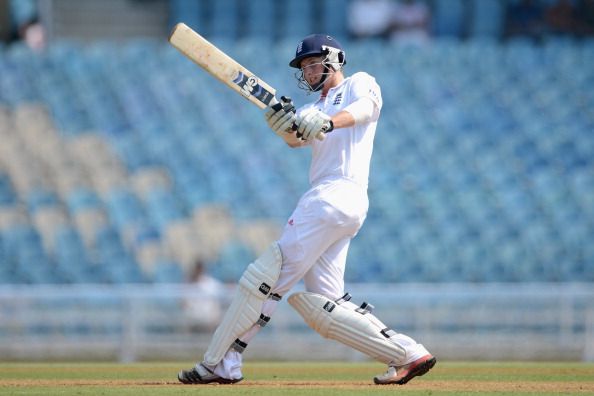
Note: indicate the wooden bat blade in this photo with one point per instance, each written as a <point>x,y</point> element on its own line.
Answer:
<point>222,66</point>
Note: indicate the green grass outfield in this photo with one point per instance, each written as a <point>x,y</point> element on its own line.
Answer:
<point>289,379</point>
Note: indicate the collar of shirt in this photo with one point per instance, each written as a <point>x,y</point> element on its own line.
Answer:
<point>323,97</point>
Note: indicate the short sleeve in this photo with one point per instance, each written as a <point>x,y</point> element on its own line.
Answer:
<point>364,85</point>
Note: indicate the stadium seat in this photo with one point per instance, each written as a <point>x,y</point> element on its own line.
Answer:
<point>7,195</point>
<point>40,198</point>
<point>448,18</point>
<point>168,273</point>
<point>298,21</point>
<point>260,14</point>
<point>72,257</point>
<point>163,207</point>
<point>187,11</point>
<point>232,261</point>
<point>124,207</point>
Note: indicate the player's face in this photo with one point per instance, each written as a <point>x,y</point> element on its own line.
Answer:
<point>312,69</point>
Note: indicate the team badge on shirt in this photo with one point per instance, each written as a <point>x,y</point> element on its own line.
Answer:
<point>337,99</point>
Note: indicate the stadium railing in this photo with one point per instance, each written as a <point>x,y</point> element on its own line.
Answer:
<point>147,322</point>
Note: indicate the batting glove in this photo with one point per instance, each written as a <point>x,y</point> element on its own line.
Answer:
<point>281,117</point>
<point>313,123</point>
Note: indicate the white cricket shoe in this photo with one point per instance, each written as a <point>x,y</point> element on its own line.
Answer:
<point>402,374</point>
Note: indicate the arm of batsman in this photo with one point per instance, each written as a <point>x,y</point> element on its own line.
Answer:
<point>313,123</point>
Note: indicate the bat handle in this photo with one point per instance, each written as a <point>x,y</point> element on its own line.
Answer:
<point>285,103</point>
<point>278,106</point>
<point>320,136</point>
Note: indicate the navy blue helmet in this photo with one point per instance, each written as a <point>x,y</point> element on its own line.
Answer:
<point>320,45</point>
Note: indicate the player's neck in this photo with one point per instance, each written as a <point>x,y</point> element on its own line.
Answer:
<point>335,79</point>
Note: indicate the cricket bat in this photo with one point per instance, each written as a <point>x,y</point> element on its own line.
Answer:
<point>224,68</point>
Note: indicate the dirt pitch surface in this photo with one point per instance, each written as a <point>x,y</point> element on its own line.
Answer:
<point>328,379</point>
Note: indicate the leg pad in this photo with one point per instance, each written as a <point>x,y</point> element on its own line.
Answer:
<point>254,288</point>
<point>344,322</point>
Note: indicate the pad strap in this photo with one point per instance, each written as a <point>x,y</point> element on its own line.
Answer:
<point>365,308</point>
<point>239,345</point>
<point>263,321</point>
<point>345,298</point>
<point>275,297</point>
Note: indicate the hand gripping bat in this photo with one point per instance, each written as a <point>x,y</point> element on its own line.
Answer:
<point>226,69</point>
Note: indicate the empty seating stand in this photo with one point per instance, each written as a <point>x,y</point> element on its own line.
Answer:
<point>114,155</point>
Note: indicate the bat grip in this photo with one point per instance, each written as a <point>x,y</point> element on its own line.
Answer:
<point>320,136</point>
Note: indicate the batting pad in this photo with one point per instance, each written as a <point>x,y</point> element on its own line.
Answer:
<point>253,289</point>
<point>341,322</point>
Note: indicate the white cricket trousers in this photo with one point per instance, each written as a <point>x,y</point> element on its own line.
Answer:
<point>316,238</point>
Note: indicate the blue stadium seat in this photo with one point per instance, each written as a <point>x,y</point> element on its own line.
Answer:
<point>133,151</point>
<point>27,257</point>
<point>224,20</point>
<point>168,273</point>
<point>7,277</point>
<point>259,17</point>
<point>123,270</point>
<point>187,11</point>
<point>7,195</point>
<point>448,18</point>
<point>39,198</point>
<point>334,17</point>
<point>488,19</point>
<point>163,207</point>
<point>15,81</point>
<point>124,207</point>
<point>232,261</point>
<point>81,199</point>
<point>72,258</point>
<point>298,22</point>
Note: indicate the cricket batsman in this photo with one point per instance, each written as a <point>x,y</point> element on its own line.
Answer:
<point>339,129</point>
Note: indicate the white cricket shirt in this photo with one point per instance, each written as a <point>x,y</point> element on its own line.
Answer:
<point>346,152</point>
